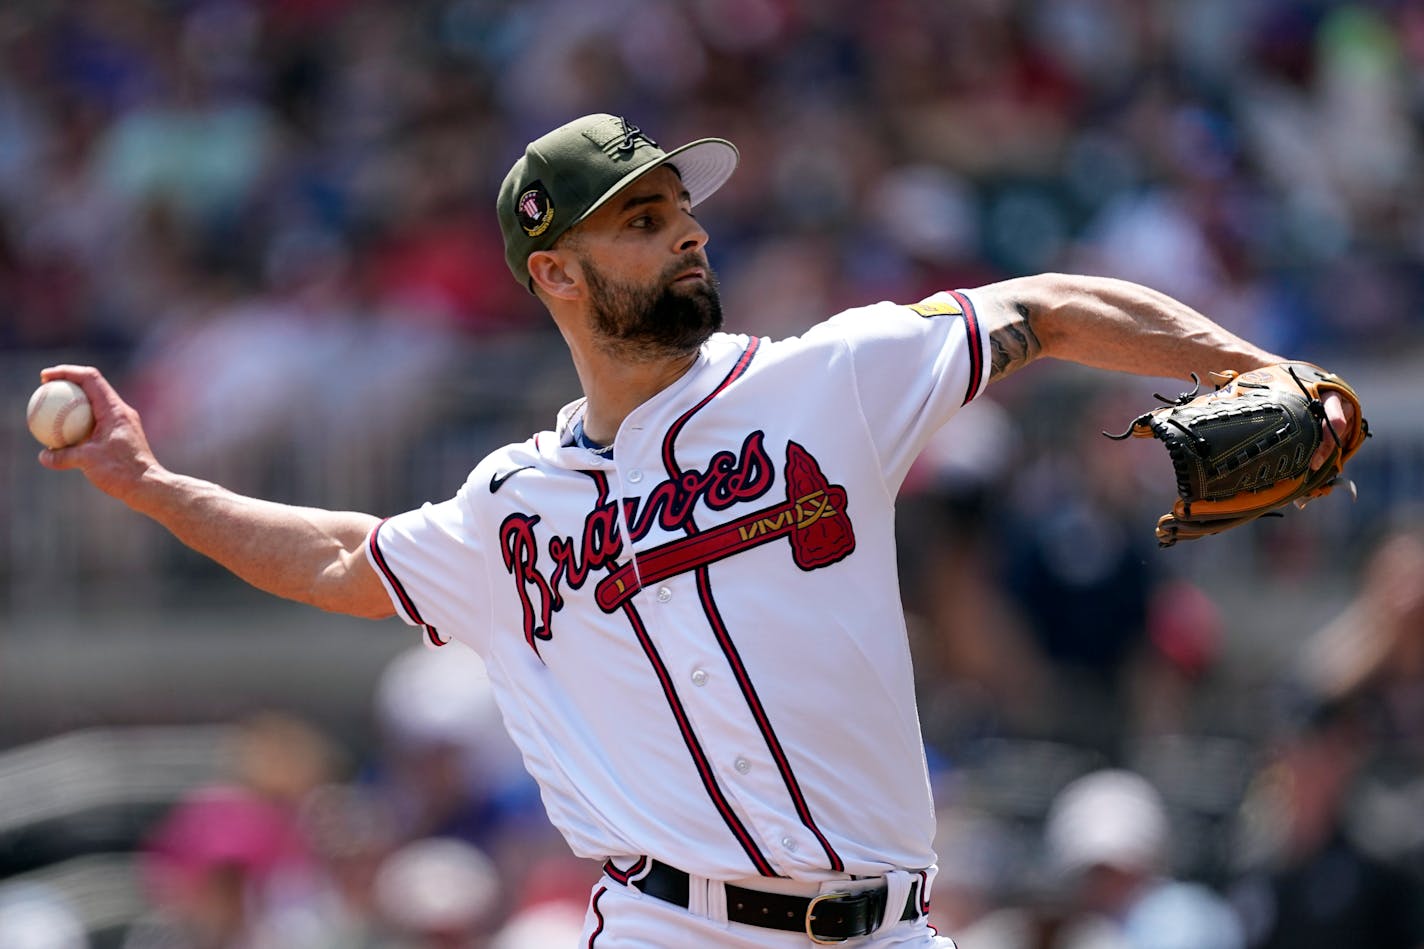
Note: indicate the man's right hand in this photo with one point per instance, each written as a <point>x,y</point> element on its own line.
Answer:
<point>116,455</point>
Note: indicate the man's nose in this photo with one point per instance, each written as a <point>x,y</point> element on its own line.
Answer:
<point>694,236</point>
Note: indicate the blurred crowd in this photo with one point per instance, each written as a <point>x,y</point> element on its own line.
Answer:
<point>217,195</point>
<point>431,838</point>
<point>278,214</point>
<point>1154,823</point>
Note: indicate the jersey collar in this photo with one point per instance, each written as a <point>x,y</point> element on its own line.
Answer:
<point>561,449</point>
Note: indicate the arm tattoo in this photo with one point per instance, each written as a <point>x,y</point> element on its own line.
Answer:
<point>1013,343</point>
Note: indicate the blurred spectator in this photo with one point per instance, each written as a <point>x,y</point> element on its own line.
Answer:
<point>33,916</point>
<point>1108,834</point>
<point>1330,850</point>
<point>977,869</point>
<point>447,768</point>
<point>225,863</point>
<point>1373,652</point>
<point>550,907</point>
<point>196,154</point>
<point>213,860</point>
<point>1306,882</point>
<point>1184,640</point>
<point>1107,886</point>
<point>449,762</point>
<point>979,670</point>
<point>351,834</point>
<point>437,893</point>
<point>307,366</point>
<point>543,926</point>
<point>1077,562</point>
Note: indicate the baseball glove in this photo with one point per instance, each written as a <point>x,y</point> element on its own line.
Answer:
<point>1244,450</point>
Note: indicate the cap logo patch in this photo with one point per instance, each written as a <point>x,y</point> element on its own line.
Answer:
<point>534,210</point>
<point>625,140</point>
<point>631,134</point>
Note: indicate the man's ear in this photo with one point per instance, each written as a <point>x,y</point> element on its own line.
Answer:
<point>555,273</point>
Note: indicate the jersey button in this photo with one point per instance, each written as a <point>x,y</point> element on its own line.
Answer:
<point>699,677</point>
<point>788,844</point>
<point>635,475</point>
<point>664,594</point>
<point>742,765</point>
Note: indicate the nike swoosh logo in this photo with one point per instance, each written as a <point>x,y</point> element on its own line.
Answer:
<point>498,479</point>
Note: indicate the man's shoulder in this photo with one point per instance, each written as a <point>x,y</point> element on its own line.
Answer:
<point>868,317</point>
<point>496,468</point>
<point>834,329</point>
<point>938,304</point>
<point>724,345</point>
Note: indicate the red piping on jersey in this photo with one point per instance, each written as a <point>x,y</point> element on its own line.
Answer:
<point>623,876</point>
<point>597,915</point>
<point>724,638</point>
<point>406,602</point>
<point>976,353</point>
<point>773,744</point>
<point>689,738</point>
<point>699,757</point>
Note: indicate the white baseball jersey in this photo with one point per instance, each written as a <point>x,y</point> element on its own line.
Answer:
<point>698,644</point>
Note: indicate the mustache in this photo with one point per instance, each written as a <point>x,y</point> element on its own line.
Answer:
<point>693,258</point>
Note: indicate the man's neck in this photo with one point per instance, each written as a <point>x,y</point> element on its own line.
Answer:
<point>614,388</point>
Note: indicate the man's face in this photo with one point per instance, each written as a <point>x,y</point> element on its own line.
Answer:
<point>651,293</point>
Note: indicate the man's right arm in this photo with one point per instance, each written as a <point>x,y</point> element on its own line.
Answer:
<point>305,554</point>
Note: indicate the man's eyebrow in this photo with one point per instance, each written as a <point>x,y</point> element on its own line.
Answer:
<point>637,201</point>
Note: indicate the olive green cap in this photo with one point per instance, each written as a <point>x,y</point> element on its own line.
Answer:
<point>567,174</point>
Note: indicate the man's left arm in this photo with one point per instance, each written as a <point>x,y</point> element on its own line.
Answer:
<point>1107,324</point>
<point>1115,324</point>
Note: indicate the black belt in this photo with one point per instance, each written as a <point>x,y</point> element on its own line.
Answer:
<point>826,919</point>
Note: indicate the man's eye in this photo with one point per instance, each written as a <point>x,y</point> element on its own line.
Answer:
<point>642,220</point>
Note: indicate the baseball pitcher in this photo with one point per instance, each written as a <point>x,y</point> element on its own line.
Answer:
<point>685,590</point>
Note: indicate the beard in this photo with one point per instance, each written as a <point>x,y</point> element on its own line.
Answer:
<point>657,321</point>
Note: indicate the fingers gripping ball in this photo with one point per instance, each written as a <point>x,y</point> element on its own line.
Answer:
<point>59,415</point>
<point>1244,450</point>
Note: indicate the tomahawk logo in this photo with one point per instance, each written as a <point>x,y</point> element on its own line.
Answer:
<point>813,518</point>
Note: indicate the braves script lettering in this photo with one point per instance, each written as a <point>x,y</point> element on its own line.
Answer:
<point>728,479</point>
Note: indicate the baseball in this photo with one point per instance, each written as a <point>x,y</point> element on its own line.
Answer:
<point>59,415</point>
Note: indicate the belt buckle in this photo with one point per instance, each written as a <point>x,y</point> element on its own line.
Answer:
<point>811,916</point>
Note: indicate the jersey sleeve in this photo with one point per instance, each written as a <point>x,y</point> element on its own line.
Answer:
<point>914,366</point>
<point>430,560</point>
